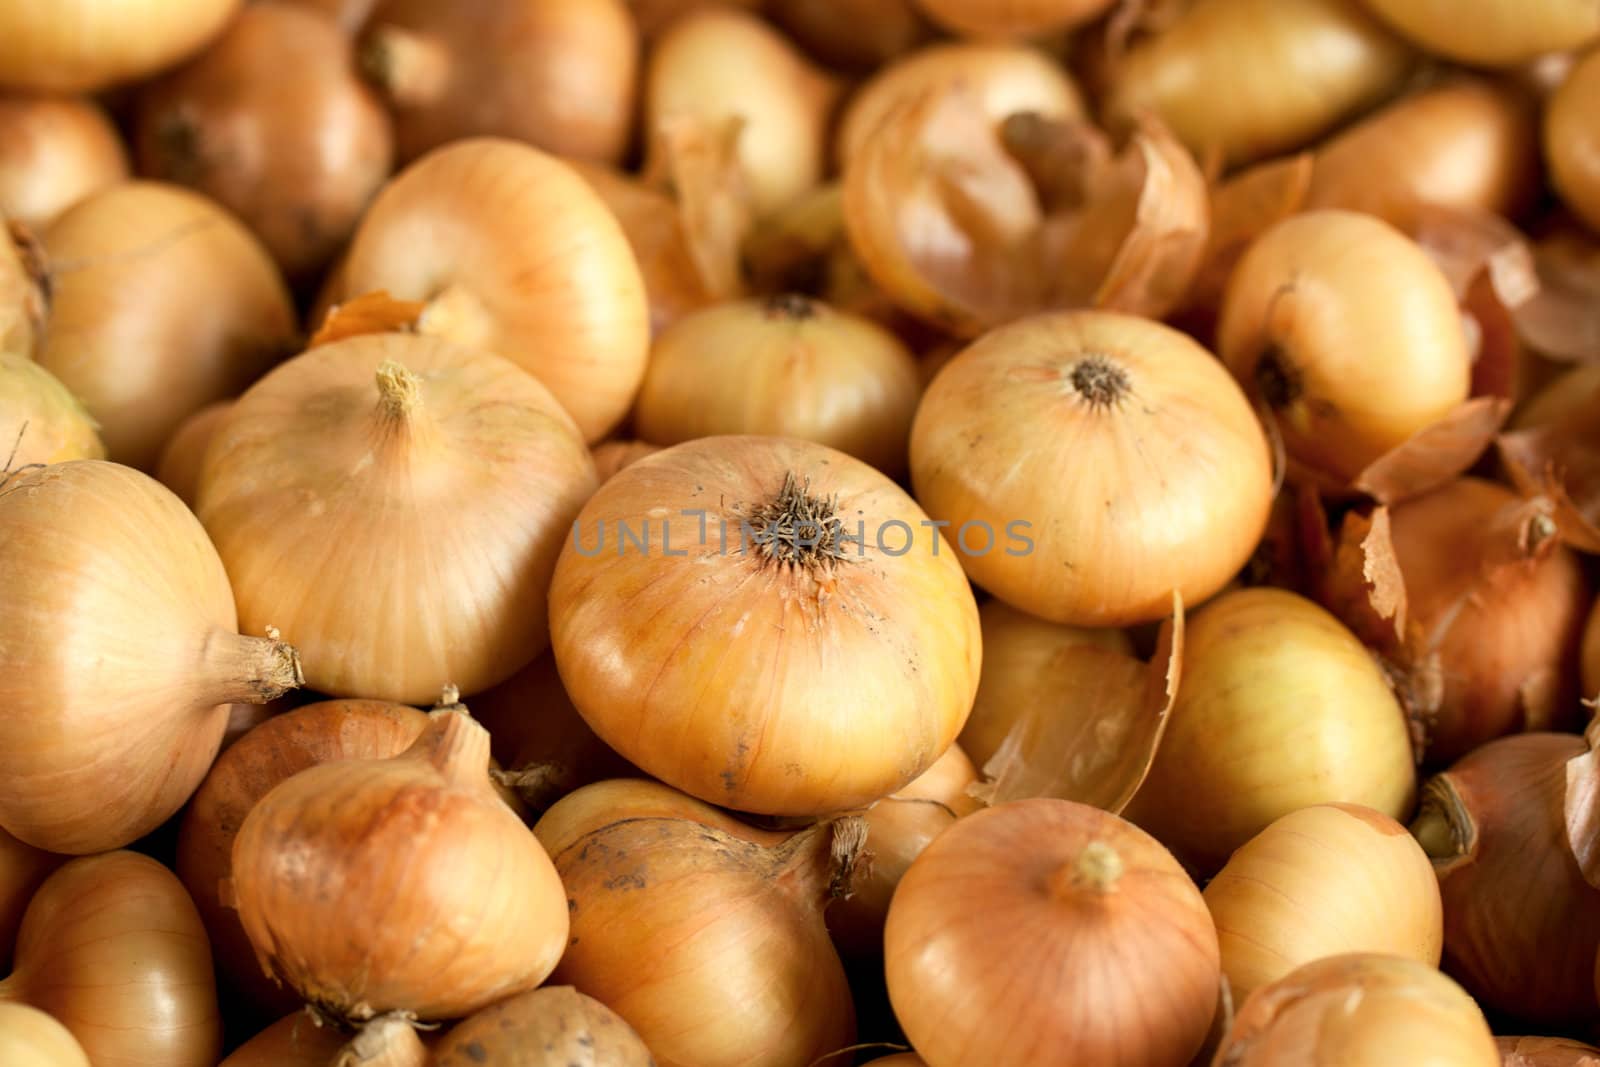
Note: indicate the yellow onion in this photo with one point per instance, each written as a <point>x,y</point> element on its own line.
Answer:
<point>1546,1052</point>
<point>611,456</point>
<point>22,869</point>
<point>1048,929</point>
<point>1491,33</point>
<point>31,1038</point>
<point>1360,1010</point>
<point>119,656</point>
<point>1249,78</point>
<point>24,298</point>
<point>784,366</point>
<point>653,16</point>
<point>184,454</point>
<point>1572,137</point>
<point>512,251</point>
<point>558,74</point>
<point>1004,79</point>
<point>721,63</point>
<point>766,624</point>
<point>1349,333</point>
<point>1280,707</point>
<point>1521,923</point>
<point>424,524</point>
<point>852,34</point>
<point>1325,880</point>
<point>86,45</point>
<point>899,827</point>
<point>54,151</point>
<point>1012,18</point>
<point>551,1027</point>
<point>266,756</point>
<point>468,908</point>
<point>1104,462</point>
<point>160,304</point>
<point>295,159</point>
<point>40,421</point>
<point>112,948</point>
<point>676,905</point>
<point>301,1040</point>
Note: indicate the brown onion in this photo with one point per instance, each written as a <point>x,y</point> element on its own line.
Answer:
<point>558,74</point>
<point>22,869</point>
<point>295,159</point>
<point>111,946</point>
<point>1491,33</point>
<point>303,1040</point>
<point>160,304</point>
<point>86,45</point>
<point>676,906</point>
<point>184,454</point>
<point>40,421</point>
<point>1546,1052</point>
<point>54,152</point>
<point>1572,138</point>
<point>556,1026</point>
<point>852,34</point>
<point>1047,929</point>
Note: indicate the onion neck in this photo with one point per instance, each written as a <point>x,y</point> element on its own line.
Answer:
<point>457,314</point>
<point>1097,870</point>
<point>790,307</point>
<point>794,528</point>
<point>825,862</point>
<point>412,69</point>
<point>249,670</point>
<point>1441,825</point>
<point>537,785</point>
<point>399,393</point>
<point>456,746</point>
<point>1277,381</point>
<point>387,1041</point>
<point>1099,381</point>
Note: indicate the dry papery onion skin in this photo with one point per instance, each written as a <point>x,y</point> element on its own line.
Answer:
<point>88,45</point>
<point>767,670</point>
<point>54,151</point>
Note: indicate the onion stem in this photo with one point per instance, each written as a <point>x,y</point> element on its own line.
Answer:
<point>411,68</point>
<point>1435,833</point>
<point>399,391</point>
<point>1097,868</point>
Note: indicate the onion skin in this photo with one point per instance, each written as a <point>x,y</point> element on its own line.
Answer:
<point>1522,926</point>
<point>1012,18</point>
<point>786,366</point>
<point>268,755</point>
<point>183,456</point>
<point>1546,1052</point>
<point>1572,139</point>
<point>293,1041</point>
<point>24,299</point>
<point>161,303</point>
<point>372,437</point>
<point>558,74</point>
<point>515,254</point>
<point>733,670</point>
<point>611,456</point>
<point>1491,33</point>
<point>85,45</point>
<point>54,152</point>
<point>852,34</point>
<point>1323,881</point>
<point>22,869</point>
<point>113,949</point>
<point>676,904</point>
<point>1360,1010</point>
<point>1252,78</point>
<point>31,1038</point>
<point>296,159</point>
<point>488,920</point>
<point>125,660</point>
<point>1349,332</point>
<point>1143,439</point>
<point>551,1027</point>
<point>1130,951</point>
<point>1280,707</point>
<point>40,420</point>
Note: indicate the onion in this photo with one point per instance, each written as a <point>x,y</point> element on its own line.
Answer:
<point>24,292</point>
<point>349,14</point>
<point>118,656</point>
<point>22,869</point>
<point>1322,881</point>
<point>551,1027</point>
<point>676,906</point>
<point>808,646</point>
<point>30,1038</point>
<point>1491,33</point>
<point>86,45</point>
<point>40,421</point>
<point>296,163</point>
<point>112,948</point>
<point>558,74</point>
<point>1572,137</point>
<point>425,557</point>
<point>1159,476</point>
<point>1249,78</point>
<point>654,16</point>
<point>1521,923</point>
<point>491,924</point>
<point>54,152</point>
<point>1280,708</point>
<point>1349,333</point>
<point>1546,1052</point>
<point>715,64</point>
<point>899,827</point>
<point>1045,928</point>
<point>1012,18</point>
<point>611,456</point>
<point>184,454</point>
<point>852,34</point>
<point>1005,79</point>
<point>161,303</point>
<point>1475,605</point>
<point>268,755</point>
<point>786,366</point>
<point>299,1040</point>
<point>1360,1010</point>
<point>513,252</point>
